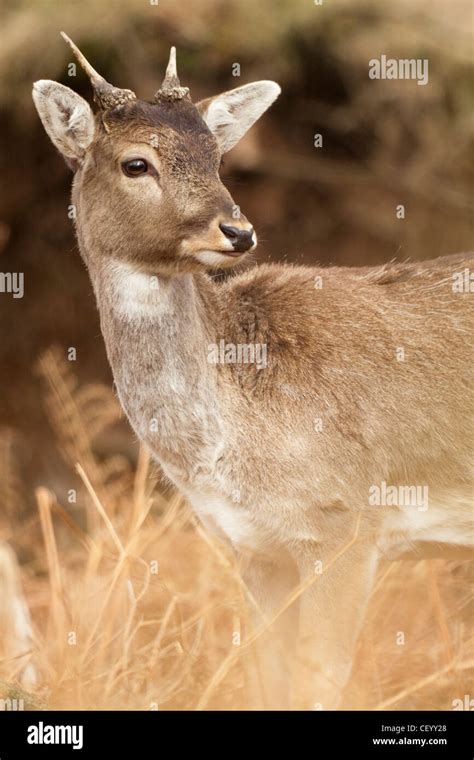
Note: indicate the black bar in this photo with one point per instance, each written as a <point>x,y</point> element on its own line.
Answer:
<point>317,734</point>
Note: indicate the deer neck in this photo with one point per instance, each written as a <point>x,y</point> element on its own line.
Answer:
<point>157,331</point>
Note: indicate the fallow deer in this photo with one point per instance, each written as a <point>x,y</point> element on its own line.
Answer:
<point>349,441</point>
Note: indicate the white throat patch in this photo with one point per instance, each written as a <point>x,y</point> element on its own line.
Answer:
<point>137,295</point>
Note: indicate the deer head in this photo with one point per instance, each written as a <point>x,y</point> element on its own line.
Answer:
<point>146,183</point>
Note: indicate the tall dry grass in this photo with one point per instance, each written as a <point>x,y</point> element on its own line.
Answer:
<point>122,601</point>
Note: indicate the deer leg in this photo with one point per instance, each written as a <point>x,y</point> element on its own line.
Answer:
<point>337,585</point>
<point>270,581</point>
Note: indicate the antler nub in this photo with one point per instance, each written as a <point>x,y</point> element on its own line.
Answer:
<point>106,95</point>
<point>171,88</point>
<point>171,71</point>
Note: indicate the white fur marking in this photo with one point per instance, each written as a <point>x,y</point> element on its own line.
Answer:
<point>212,258</point>
<point>137,294</point>
<point>228,518</point>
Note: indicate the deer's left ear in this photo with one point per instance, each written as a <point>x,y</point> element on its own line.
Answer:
<point>66,117</point>
<point>232,113</point>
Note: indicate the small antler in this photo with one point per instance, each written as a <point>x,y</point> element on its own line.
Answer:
<point>105,94</point>
<point>171,88</point>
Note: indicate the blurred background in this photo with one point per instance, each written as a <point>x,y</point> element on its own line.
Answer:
<point>384,143</point>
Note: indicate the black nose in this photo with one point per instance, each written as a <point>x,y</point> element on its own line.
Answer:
<point>241,240</point>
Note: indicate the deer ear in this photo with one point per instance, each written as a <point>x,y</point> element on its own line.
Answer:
<point>66,117</point>
<point>232,113</point>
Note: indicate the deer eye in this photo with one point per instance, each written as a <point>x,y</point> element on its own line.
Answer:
<point>135,167</point>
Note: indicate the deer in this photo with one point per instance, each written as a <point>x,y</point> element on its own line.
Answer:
<point>350,440</point>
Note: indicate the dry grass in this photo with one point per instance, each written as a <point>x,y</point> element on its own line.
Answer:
<point>123,602</point>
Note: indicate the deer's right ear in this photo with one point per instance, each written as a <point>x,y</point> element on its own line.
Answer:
<point>66,117</point>
<point>230,114</point>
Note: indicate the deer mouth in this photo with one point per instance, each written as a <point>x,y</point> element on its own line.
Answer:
<point>219,250</point>
<point>232,254</point>
<point>215,257</point>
